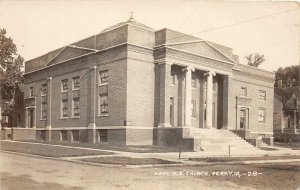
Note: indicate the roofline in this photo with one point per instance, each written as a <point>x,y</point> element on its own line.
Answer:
<point>48,66</point>
<point>45,54</point>
<point>98,51</point>
<point>186,42</point>
<point>79,47</point>
<point>161,46</point>
<point>255,68</point>
<point>125,23</point>
<point>211,45</point>
<point>57,54</point>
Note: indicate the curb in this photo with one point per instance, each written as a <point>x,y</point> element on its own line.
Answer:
<point>181,164</point>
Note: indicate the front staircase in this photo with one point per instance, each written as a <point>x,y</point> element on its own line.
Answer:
<point>218,141</point>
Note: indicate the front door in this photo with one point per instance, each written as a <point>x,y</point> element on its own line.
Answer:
<point>243,119</point>
<point>172,111</point>
<point>30,118</point>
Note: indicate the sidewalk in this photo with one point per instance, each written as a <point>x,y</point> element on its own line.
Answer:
<point>83,155</point>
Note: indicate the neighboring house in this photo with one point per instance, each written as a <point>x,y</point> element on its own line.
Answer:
<point>18,108</point>
<point>14,110</point>
<point>132,85</point>
<point>287,112</point>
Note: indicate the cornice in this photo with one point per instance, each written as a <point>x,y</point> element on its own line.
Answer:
<point>193,54</point>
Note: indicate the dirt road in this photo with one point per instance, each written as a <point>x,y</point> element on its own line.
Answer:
<point>23,172</point>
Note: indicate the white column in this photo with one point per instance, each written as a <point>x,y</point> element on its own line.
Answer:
<point>93,96</point>
<point>49,102</point>
<point>188,95</point>
<point>49,105</point>
<point>93,105</point>
<point>164,94</point>
<point>209,99</point>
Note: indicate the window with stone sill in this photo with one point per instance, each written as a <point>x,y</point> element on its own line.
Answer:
<point>103,77</point>
<point>76,82</point>
<point>44,109</point>
<point>64,109</point>
<point>103,104</point>
<point>243,91</point>
<point>76,108</point>
<point>31,92</point>
<point>262,95</point>
<point>44,99</point>
<point>76,94</point>
<point>64,85</point>
<point>44,90</point>
<point>262,115</point>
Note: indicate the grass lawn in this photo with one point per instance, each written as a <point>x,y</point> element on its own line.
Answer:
<point>105,146</point>
<point>49,151</point>
<point>227,159</point>
<point>120,160</point>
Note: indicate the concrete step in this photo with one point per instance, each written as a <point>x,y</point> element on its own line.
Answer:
<point>214,140</point>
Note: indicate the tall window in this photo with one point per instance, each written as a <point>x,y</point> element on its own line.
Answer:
<point>103,77</point>
<point>76,96</point>
<point>243,91</point>
<point>64,98</point>
<point>44,105</point>
<point>44,92</point>
<point>76,108</point>
<point>64,108</point>
<point>64,85</point>
<point>262,115</point>
<point>262,95</point>
<point>44,109</point>
<point>31,92</point>
<point>76,82</point>
<point>103,104</point>
<point>193,108</point>
<point>44,89</point>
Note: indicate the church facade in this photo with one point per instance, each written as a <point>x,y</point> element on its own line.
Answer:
<point>132,85</point>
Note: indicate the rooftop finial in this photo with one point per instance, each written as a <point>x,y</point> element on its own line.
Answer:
<point>131,17</point>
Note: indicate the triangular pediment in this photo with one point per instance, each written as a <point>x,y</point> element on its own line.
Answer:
<point>68,53</point>
<point>202,48</point>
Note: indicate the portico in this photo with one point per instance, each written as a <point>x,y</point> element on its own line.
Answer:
<point>192,93</point>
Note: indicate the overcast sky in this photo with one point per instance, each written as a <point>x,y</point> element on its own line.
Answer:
<point>38,27</point>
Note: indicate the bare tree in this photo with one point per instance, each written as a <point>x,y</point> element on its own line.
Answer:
<point>255,59</point>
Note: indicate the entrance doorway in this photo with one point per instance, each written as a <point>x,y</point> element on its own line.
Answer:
<point>30,118</point>
<point>172,111</point>
<point>243,119</point>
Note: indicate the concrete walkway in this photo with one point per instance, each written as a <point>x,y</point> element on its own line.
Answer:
<point>174,157</point>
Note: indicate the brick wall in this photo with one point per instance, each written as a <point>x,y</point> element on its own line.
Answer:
<point>140,90</point>
<point>253,86</point>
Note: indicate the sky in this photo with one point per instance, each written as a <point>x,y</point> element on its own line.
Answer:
<point>270,28</point>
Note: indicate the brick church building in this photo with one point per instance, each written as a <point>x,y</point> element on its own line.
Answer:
<point>132,85</point>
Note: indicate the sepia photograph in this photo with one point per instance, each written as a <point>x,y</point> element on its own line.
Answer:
<point>143,95</point>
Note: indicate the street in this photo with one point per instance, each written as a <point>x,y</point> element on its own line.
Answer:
<point>24,172</point>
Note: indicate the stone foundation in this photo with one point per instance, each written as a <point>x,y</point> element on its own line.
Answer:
<point>176,137</point>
